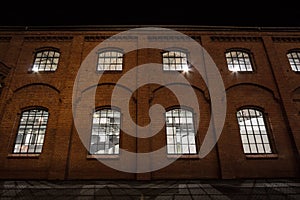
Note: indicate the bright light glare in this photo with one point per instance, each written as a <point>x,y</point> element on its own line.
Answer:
<point>35,69</point>
<point>235,69</point>
<point>185,68</point>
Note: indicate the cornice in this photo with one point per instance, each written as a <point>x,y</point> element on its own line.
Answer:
<point>127,27</point>
<point>235,39</point>
<point>48,38</point>
<point>286,39</point>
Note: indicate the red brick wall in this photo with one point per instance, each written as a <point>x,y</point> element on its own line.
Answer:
<point>272,86</point>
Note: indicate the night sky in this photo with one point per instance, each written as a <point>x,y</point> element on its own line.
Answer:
<point>211,13</point>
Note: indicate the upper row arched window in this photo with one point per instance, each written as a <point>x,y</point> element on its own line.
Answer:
<point>110,60</point>
<point>238,60</point>
<point>175,60</point>
<point>294,60</point>
<point>241,61</point>
<point>46,59</point>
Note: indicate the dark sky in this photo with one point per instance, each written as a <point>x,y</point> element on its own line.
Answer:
<point>180,12</point>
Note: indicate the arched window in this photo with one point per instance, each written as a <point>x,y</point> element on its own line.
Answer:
<point>253,131</point>
<point>175,60</point>
<point>46,59</point>
<point>105,132</point>
<point>31,131</point>
<point>294,60</point>
<point>110,60</point>
<point>180,132</point>
<point>238,61</point>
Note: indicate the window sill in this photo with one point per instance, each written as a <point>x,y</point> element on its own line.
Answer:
<point>20,155</point>
<point>262,156</point>
<point>40,72</point>
<point>109,71</point>
<point>193,156</point>
<point>102,156</point>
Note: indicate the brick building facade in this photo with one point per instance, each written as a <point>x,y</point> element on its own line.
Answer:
<point>260,71</point>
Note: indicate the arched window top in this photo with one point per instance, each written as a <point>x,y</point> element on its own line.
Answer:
<point>252,107</point>
<point>46,48</point>
<point>110,59</point>
<point>175,60</point>
<point>253,131</point>
<point>35,108</point>
<point>175,49</point>
<point>179,111</point>
<point>245,50</point>
<point>46,59</point>
<point>109,111</point>
<point>110,49</point>
<point>239,60</point>
<point>294,59</point>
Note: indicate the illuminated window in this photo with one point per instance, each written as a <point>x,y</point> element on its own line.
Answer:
<point>31,132</point>
<point>105,132</point>
<point>253,131</point>
<point>238,61</point>
<point>180,132</point>
<point>175,61</point>
<point>110,61</point>
<point>294,59</point>
<point>46,60</point>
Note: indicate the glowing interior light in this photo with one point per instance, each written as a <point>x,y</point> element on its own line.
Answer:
<point>235,69</point>
<point>35,69</point>
<point>185,68</point>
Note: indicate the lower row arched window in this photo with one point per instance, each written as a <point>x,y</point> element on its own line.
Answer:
<point>31,131</point>
<point>254,131</point>
<point>180,131</point>
<point>105,136</point>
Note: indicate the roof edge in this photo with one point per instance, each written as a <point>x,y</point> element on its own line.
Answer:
<point>126,27</point>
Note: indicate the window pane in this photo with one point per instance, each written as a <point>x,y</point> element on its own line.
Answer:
<point>246,148</point>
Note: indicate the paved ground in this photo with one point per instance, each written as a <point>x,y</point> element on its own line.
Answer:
<point>277,189</point>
